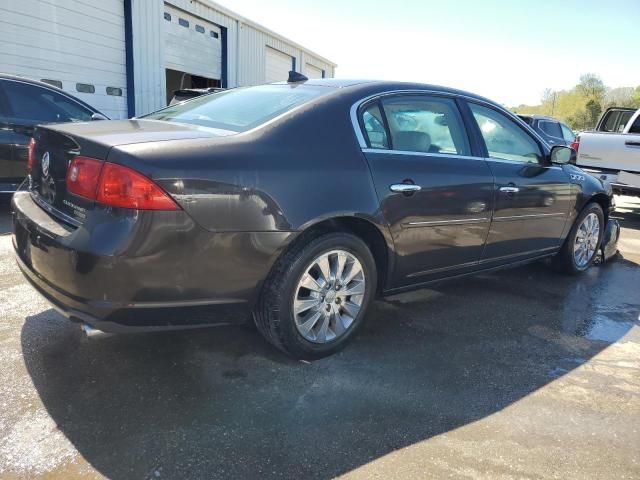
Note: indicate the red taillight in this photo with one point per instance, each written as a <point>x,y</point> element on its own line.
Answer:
<point>116,186</point>
<point>83,176</point>
<point>125,188</point>
<point>32,152</point>
<point>576,143</point>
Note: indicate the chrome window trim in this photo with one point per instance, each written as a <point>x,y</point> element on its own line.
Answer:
<point>518,162</point>
<point>363,143</point>
<point>454,156</point>
<point>419,154</point>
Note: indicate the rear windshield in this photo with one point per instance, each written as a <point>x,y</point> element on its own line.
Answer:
<point>240,109</point>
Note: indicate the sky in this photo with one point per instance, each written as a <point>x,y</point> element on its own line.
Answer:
<point>507,50</point>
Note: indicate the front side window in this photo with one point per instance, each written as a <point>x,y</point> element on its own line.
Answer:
<point>239,109</point>
<point>550,128</point>
<point>567,133</point>
<point>635,127</point>
<point>504,139</point>
<point>374,127</point>
<point>40,105</point>
<point>424,124</point>
<point>610,121</point>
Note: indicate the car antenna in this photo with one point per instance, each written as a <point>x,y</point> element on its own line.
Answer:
<point>296,77</point>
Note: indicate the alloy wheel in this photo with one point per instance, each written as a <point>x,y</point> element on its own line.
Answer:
<point>329,296</point>
<point>586,240</point>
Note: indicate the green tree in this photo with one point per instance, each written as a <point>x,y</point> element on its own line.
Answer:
<point>592,87</point>
<point>620,97</point>
<point>593,109</point>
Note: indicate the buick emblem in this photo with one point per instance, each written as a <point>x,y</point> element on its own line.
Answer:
<point>45,164</point>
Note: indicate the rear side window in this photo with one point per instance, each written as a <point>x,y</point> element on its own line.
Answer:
<point>424,124</point>
<point>610,121</point>
<point>567,133</point>
<point>374,127</point>
<point>33,105</point>
<point>550,128</point>
<point>239,109</point>
<point>623,120</point>
<point>503,137</point>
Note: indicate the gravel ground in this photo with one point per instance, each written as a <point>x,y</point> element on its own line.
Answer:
<point>518,374</point>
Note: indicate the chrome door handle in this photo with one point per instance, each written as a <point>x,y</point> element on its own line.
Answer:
<point>509,189</point>
<point>404,188</point>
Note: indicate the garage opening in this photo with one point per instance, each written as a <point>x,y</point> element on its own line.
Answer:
<point>192,53</point>
<point>277,65</point>
<point>177,80</point>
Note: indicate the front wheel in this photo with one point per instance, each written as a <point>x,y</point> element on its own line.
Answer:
<point>317,295</point>
<point>583,242</point>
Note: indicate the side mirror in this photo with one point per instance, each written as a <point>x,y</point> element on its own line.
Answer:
<point>98,116</point>
<point>562,155</point>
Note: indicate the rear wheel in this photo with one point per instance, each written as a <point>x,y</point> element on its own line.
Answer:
<point>583,242</point>
<point>317,295</point>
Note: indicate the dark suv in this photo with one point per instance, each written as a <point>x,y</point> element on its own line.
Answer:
<point>24,104</point>
<point>551,130</point>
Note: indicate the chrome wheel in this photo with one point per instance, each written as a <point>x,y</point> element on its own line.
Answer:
<point>329,296</point>
<point>586,240</point>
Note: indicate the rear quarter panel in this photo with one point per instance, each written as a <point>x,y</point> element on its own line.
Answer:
<point>284,176</point>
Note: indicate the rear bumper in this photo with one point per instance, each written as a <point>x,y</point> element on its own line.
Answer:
<point>132,271</point>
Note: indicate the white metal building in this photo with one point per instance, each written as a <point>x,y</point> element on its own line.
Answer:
<point>125,57</point>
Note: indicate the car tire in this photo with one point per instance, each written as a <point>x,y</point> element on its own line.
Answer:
<point>281,314</point>
<point>568,260</point>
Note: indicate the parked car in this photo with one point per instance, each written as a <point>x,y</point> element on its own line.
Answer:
<point>612,151</point>
<point>553,131</point>
<point>189,93</point>
<point>24,104</point>
<point>297,203</point>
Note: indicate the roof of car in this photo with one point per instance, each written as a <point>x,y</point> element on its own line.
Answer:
<point>38,83</point>
<point>538,116</point>
<point>388,85</point>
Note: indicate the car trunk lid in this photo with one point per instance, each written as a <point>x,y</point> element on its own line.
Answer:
<point>56,145</point>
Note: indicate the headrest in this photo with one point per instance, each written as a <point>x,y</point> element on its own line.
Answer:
<point>412,141</point>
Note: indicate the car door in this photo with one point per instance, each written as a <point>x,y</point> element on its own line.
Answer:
<point>30,105</point>
<point>434,193</point>
<point>532,198</point>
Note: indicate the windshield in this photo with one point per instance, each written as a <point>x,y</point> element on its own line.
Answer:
<point>240,109</point>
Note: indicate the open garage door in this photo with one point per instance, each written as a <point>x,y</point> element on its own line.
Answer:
<point>76,46</point>
<point>313,71</point>
<point>277,65</point>
<point>193,47</point>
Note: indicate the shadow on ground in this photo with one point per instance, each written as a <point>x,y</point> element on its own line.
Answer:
<point>220,403</point>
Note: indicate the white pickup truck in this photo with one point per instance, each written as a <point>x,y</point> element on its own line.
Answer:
<point>612,151</point>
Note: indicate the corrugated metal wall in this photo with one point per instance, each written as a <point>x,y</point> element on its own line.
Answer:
<point>253,43</point>
<point>246,44</point>
<point>148,55</point>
